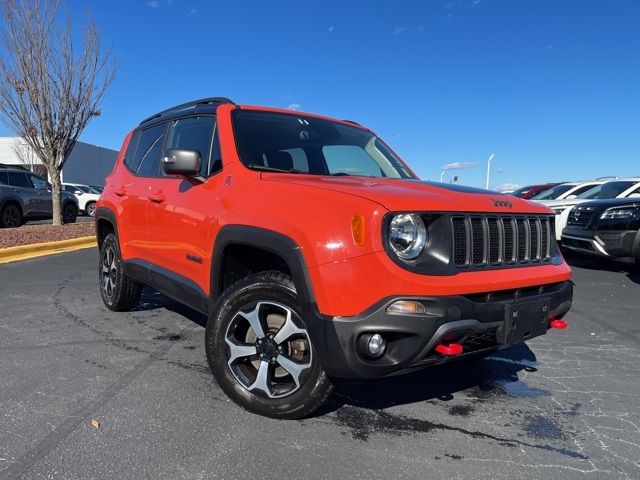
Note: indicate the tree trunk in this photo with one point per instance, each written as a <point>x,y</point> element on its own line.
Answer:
<point>56,190</point>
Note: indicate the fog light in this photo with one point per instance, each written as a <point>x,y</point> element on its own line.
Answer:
<point>372,345</point>
<point>406,306</point>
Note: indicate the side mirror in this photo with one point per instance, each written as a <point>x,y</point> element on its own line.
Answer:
<point>78,192</point>
<point>571,197</point>
<point>181,162</point>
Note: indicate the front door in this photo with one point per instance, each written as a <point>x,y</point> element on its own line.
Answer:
<point>44,201</point>
<point>183,213</point>
<point>22,187</point>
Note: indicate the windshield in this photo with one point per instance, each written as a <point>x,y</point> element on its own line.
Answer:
<point>554,192</point>
<point>302,144</point>
<point>607,190</point>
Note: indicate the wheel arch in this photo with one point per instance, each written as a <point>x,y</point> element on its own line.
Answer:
<point>234,238</point>
<point>12,200</point>
<point>106,223</point>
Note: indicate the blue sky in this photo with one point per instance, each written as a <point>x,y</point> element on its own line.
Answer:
<point>551,87</point>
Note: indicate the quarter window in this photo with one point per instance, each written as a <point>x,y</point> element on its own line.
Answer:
<point>130,155</point>
<point>38,182</point>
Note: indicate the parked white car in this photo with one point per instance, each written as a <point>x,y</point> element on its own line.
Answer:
<point>87,197</point>
<point>619,188</point>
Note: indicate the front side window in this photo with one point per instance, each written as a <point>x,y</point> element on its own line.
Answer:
<point>149,150</point>
<point>19,179</point>
<point>310,145</point>
<point>194,133</point>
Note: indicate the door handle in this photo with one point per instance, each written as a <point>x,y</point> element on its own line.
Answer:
<point>120,192</point>
<point>157,197</point>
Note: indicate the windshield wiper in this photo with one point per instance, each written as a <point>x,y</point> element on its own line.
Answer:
<point>263,168</point>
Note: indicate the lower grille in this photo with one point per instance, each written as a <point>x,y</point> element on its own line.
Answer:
<point>497,240</point>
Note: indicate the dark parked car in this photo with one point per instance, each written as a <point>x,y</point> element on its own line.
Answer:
<point>531,191</point>
<point>27,196</point>
<point>607,228</point>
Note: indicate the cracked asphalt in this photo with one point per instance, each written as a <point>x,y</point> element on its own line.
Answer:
<point>565,405</point>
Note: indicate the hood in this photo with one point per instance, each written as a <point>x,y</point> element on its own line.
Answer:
<point>414,195</point>
<point>613,202</point>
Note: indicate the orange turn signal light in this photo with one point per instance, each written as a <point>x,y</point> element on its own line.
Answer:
<point>357,229</point>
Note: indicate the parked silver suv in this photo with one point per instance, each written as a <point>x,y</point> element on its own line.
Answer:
<point>27,196</point>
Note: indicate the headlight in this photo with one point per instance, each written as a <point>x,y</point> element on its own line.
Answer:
<point>407,235</point>
<point>621,213</point>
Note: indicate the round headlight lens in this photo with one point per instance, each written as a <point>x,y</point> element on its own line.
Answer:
<point>407,235</point>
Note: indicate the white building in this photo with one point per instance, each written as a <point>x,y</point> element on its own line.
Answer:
<point>88,164</point>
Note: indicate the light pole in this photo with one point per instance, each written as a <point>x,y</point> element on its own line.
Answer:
<point>488,171</point>
<point>442,175</point>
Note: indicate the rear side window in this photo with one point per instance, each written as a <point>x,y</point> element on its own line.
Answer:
<point>17,179</point>
<point>3,178</point>
<point>149,150</point>
<point>130,154</point>
<point>194,133</point>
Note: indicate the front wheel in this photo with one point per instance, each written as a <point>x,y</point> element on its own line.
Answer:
<point>260,351</point>
<point>10,216</point>
<point>69,213</point>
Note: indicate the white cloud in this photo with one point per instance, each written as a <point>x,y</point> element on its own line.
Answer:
<point>294,106</point>
<point>507,187</point>
<point>550,46</point>
<point>399,30</point>
<point>459,165</point>
<point>476,2</point>
<point>193,11</point>
<point>331,29</point>
<point>152,4</point>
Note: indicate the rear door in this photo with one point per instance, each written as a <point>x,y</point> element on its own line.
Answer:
<point>21,186</point>
<point>183,213</point>
<point>142,161</point>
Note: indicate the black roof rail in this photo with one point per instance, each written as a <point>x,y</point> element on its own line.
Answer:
<point>191,104</point>
<point>351,121</point>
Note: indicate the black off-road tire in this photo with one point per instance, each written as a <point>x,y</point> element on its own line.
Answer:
<point>119,292</point>
<point>10,216</point>
<point>263,288</point>
<point>69,213</point>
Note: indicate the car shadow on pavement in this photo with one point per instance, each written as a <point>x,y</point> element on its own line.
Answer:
<point>480,379</point>
<point>152,299</point>
<point>625,266</point>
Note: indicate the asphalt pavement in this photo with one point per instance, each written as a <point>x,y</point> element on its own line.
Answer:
<point>565,405</point>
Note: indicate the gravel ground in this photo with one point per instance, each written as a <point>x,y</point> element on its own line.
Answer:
<point>563,406</point>
<point>28,234</point>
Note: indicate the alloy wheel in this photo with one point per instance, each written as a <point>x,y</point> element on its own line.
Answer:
<point>268,352</point>
<point>11,217</point>
<point>109,271</point>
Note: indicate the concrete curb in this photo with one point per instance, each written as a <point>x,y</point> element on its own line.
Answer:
<point>24,252</point>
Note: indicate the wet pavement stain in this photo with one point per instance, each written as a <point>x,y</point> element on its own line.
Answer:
<point>461,410</point>
<point>541,427</point>
<point>453,456</point>
<point>170,337</point>
<point>362,424</point>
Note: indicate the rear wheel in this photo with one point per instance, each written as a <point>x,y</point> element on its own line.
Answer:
<point>119,292</point>
<point>260,351</point>
<point>10,216</point>
<point>69,213</point>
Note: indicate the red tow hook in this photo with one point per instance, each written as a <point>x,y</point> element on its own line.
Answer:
<point>451,349</point>
<point>558,324</point>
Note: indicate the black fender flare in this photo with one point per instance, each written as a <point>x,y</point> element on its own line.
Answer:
<point>106,214</point>
<point>14,199</point>
<point>268,240</point>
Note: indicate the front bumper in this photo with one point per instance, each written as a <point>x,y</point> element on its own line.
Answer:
<point>475,321</point>
<point>609,243</point>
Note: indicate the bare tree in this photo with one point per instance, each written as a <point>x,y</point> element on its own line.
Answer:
<point>49,90</point>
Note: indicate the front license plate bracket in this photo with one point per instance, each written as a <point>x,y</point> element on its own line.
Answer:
<point>524,320</point>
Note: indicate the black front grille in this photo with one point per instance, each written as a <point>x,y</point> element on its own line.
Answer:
<point>499,240</point>
<point>580,216</point>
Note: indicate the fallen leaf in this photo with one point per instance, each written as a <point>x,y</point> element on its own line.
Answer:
<point>95,423</point>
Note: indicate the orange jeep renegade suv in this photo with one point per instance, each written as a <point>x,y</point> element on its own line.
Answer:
<point>317,253</point>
